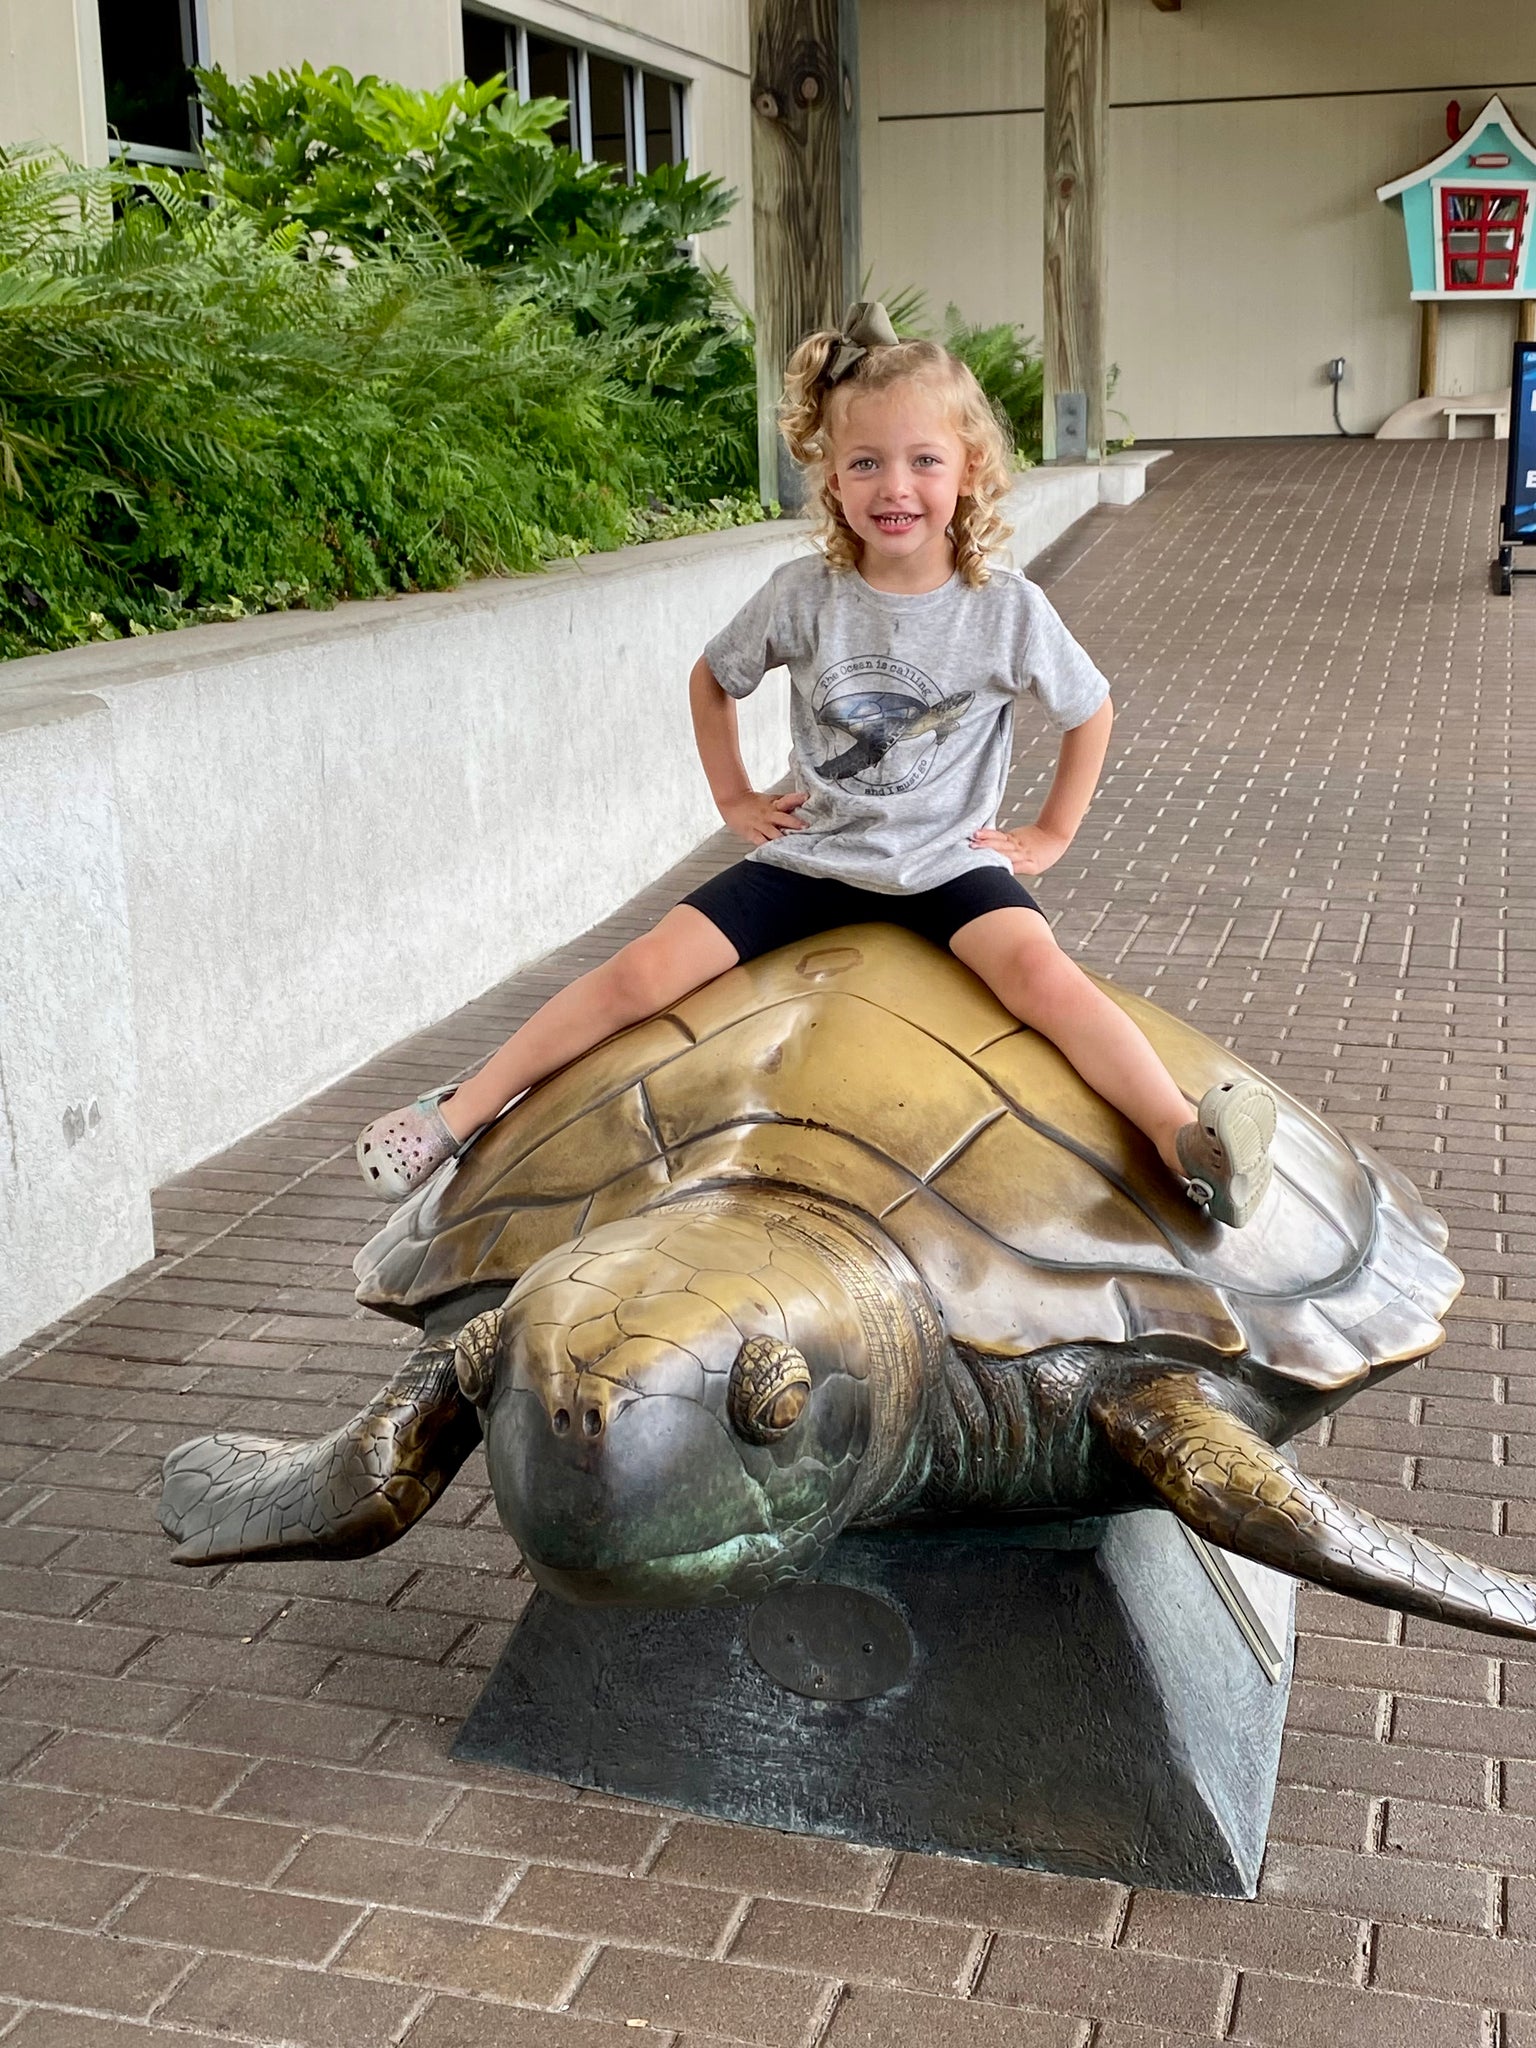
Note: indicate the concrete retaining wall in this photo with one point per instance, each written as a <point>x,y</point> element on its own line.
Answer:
<point>237,861</point>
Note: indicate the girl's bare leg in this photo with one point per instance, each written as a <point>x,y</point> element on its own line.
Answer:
<point>684,951</point>
<point>1016,955</point>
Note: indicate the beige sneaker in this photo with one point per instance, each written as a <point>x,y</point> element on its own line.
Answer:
<point>1225,1152</point>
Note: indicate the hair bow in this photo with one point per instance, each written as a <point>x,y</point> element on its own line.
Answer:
<point>865,326</point>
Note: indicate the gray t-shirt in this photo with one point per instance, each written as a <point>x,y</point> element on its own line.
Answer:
<point>901,712</point>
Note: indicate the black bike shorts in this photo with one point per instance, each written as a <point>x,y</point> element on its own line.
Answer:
<point>758,905</point>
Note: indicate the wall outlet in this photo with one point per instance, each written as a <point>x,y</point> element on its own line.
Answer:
<point>1333,369</point>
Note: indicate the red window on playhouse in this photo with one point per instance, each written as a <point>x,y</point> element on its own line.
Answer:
<point>1482,233</point>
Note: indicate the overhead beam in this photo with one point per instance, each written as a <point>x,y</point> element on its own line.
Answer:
<point>805,195</point>
<point>1076,90</point>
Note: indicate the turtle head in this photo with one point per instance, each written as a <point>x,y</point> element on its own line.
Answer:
<point>686,1406</point>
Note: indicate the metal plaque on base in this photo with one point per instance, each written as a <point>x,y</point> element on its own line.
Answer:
<point>1078,1697</point>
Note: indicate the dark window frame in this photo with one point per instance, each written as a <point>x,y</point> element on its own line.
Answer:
<point>194,46</point>
<point>636,77</point>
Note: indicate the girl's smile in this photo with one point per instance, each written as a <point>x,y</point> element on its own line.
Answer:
<point>899,470</point>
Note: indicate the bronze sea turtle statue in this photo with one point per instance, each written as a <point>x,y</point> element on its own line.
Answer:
<point>837,1243</point>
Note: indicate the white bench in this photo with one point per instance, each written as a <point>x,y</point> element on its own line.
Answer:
<point>1498,414</point>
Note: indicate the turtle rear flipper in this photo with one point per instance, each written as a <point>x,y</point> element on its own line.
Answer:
<point>1230,1486</point>
<point>344,1495</point>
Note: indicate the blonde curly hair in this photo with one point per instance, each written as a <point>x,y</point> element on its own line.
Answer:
<point>812,406</point>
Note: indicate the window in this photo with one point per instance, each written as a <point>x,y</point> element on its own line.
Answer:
<point>619,114</point>
<point>1482,232</point>
<point>609,97</point>
<point>662,102</point>
<point>547,71</point>
<point>147,53</point>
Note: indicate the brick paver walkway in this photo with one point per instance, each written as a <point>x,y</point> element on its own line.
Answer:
<point>227,1805</point>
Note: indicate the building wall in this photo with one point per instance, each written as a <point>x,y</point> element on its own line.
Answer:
<point>50,76</point>
<point>1245,142</point>
<point>414,41</point>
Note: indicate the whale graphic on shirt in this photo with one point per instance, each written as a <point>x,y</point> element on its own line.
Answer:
<point>878,720</point>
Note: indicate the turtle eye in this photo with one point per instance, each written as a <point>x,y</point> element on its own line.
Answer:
<point>770,1385</point>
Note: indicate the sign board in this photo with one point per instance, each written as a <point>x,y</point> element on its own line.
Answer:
<point>1520,491</point>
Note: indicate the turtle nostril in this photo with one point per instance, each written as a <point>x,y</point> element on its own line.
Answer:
<point>562,1420</point>
<point>592,1423</point>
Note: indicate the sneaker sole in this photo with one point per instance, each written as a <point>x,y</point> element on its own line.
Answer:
<point>1240,1116</point>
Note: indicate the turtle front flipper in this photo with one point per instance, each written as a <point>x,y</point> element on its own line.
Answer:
<point>343,1495</point>
<point>1230,1486</point>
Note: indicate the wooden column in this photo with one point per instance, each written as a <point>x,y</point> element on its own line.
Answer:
<point>1525,324</point>
<point>1429,347</point>
<point>805,195</point>
<point>1076,88</point>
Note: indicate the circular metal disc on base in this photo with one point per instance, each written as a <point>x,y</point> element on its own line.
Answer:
<point>830,1642</point>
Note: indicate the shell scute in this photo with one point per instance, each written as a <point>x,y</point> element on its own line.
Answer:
<point>1158,1306</point>
<point>631,1192</point>
<point>844,1065</point>
<point>795,1156</point>
<point>1382,1322</point>
<point>890,970</point>
<point>989,1300</point>
<point>584,1154</point>
<point>1296,1340</point>
<point>524,1238</point>
<point>562,1108</point>
<point>1423,1275</point>
<point>1048,1203</point>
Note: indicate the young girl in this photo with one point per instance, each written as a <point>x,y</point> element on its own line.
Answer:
<point>907,651</point>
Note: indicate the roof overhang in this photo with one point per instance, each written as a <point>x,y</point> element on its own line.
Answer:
<point>1494,114</point>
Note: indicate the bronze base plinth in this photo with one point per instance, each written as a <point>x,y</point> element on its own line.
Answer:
<point>1076,1697</point>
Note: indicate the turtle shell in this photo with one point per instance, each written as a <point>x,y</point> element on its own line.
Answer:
<point>868,1068</point>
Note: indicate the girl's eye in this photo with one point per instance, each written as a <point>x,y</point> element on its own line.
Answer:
<point>863,462</point>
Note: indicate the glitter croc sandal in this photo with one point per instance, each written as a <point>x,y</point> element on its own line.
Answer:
<point>1225,1152</point>
<point>397,1152</point>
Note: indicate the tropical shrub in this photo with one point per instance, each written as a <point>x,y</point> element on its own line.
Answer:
<point>363,160</point>
<point>211,404</point>
<point>1007,365</point>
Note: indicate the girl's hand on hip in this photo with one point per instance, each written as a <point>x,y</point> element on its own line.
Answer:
<point>758,818</point>
<point>1030,850</point>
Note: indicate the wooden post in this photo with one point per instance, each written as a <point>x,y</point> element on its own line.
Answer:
<point>1429,347</point>
<point>805,195</point>
<point>1525,329</point>
<point>1076,87</point>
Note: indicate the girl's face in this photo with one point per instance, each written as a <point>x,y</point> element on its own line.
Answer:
<point>898,470</point>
